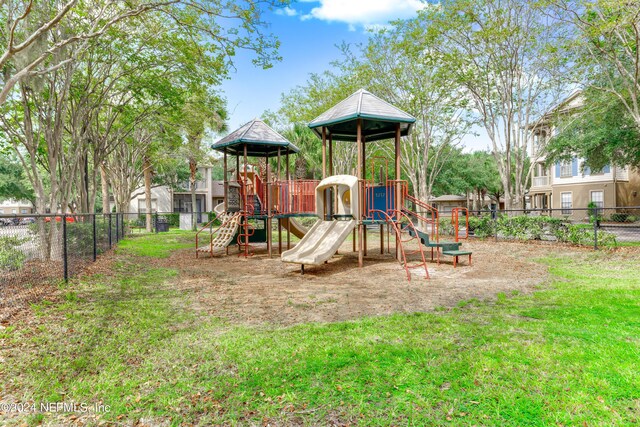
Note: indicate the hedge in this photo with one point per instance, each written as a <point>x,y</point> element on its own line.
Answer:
<point>524,227</point>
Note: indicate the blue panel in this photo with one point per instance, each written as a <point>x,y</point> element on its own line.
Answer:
<point>383,198</point>
<point>587,170</point>
<point>557,170</point>
<point>606,169</point>
<point>574,167</point>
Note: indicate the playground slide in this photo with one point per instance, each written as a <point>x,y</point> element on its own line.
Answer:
<point>295,227</point>
<point>320,243</point>
<point>219,209</point>
<point>225,233</point>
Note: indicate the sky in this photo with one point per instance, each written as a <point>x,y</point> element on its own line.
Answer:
<point>309,31</point>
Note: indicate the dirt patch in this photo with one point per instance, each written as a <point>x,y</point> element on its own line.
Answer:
<point>262,289</point>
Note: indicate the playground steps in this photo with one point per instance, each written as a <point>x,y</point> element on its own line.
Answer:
<point>456,254</point>
<point>444,248</point>
<point>424,239</point>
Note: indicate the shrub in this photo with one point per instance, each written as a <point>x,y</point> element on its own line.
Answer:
<point>173,218</point>
<point>524,227</point>
<point>580,235</point>
<point>595,214</point>
<point>445,227</point>
<point>482,226</point>
<point>11,257</point>
<point>528,227</point>
<point>620,217</point>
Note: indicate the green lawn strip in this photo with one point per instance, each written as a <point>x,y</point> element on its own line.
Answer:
<point>158,245</point>
<point>565,355</point>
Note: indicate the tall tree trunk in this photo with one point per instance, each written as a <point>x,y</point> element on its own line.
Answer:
<point>193,170</point>
<point>104,178</point>
<point>147,191</point>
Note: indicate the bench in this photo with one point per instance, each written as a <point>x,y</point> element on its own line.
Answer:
<point>455,254</point>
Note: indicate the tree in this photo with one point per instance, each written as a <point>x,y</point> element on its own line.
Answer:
<point>308,163</point>
<point>61,117</point>
<point>474,174</point>
<point>602,132</point>
<point>303,104</point>
<point>504,54</point>
<point>396,66</point>
<point>43,37</point>
<point>13,182</point>
<point>204,111</point>
<point>603,38</point>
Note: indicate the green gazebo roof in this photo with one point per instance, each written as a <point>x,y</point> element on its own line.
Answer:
<point>261,141</point>
<point>379,119</point>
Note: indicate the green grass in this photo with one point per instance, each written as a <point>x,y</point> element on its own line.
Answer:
<point>158,245</point>
<point>567,355</point>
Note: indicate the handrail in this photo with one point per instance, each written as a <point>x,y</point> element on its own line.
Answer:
<point>295,196</point>
<point>455,214</point>
<point>207,225</point>
<point>398,231</point>
<point>406,197</point>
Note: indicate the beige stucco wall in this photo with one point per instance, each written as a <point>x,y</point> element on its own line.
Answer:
<point>628,193</point>
<point>581,196</point>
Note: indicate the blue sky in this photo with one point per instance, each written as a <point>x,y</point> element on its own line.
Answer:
<point>309,31</point>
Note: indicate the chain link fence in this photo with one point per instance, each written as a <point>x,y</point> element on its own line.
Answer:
<point>594,227</point>
<point>38,251</point>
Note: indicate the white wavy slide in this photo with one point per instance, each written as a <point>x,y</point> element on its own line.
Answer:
<point>320,243</point>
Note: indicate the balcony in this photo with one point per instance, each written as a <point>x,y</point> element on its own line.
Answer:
<point>540,181</point>
<point>185,186</point>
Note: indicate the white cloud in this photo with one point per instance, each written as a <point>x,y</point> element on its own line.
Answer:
<point>287,11</point>
<point>364,12</point>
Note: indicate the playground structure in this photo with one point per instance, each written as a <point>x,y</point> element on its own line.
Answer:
<point>221,237</point>
<point>344,204</point>
<point>334,225</point>
<point>255,197</point>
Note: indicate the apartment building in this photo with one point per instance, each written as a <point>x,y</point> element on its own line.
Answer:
<point>570,185</point>
<point>15,207</point>
<point>165,199</point>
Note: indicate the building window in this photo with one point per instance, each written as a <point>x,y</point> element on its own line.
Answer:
<point>14,211</point>
<point>566,169</point>
<point>597,198</point>
<point>24,211</point>
<point>142,205</point>
<point>566,203</point>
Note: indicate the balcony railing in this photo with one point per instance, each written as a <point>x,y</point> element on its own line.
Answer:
<point>185,186</point>
<point>540,181</point>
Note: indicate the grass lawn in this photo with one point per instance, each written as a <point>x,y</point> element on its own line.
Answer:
<point>567,355</point>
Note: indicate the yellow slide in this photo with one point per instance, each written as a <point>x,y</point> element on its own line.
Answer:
<point>295,227</point>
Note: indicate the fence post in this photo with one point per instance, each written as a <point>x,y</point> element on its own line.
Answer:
<point>117,228</point>
<point>65,265</point>
<point>109,215</point>
<point>595,233</point>
<point>156,222</point>
<point>95,242</point>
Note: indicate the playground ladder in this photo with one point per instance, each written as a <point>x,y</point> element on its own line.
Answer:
<point>246,231</point>
<point>222,236</point>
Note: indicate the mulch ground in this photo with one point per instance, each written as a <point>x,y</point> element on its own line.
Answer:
<point>265,290</point>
